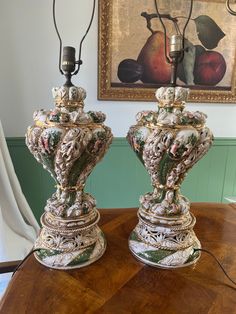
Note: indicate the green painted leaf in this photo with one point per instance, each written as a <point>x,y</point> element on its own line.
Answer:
<point>48,161</point>
<point>83,257</point>
<point>134,237</point>
<point>166,164</point>
<point>47,253</point>
<point>209,33</point>
<point>155,255</point>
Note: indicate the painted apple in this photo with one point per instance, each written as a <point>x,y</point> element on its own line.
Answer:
<point>129,71</point>
<point>152,58</point>
<point>210,67</point>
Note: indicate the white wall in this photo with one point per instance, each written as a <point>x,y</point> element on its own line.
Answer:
<point>29,67</point>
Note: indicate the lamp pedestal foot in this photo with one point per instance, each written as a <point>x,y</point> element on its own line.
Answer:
<point>66,243</point>
<point>167,243</point>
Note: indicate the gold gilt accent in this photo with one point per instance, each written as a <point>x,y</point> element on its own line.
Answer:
<point>70,188</point>
<point>49,124</point>
<point>179,223</point>
<point>171,127</point>
<point>166,187</point>
<point>176,104</point>
<point>68,230</point>
<point>59,102</point>
<point>180,126</point>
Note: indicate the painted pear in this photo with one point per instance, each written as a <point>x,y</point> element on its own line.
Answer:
<point>152,58</point>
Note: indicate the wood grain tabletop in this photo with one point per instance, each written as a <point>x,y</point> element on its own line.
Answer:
<point>118,283</point>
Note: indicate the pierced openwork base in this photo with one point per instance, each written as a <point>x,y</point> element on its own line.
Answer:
<point>66,243</point>
<point>76,259</point>
<point>165,245</point>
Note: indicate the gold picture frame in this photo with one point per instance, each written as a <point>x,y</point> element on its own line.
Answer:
<point>111,21</point>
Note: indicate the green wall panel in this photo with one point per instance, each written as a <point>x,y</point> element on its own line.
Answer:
<point>36,183</point>
<point>205,181</point>
<point>229,188</point>
<point>120,178</point>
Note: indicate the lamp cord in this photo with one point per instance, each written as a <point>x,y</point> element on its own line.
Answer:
<point>24,259</point>
<point>218,262</point>
<point>79,62</point>
<point>195,250</point>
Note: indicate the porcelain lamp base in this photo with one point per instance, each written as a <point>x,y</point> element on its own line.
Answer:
<point>68,260</point>
<point>66,243</point>
<point>165,246</point>
<point>160,258</point>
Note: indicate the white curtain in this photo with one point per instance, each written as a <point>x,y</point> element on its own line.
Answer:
<point>18,226</point>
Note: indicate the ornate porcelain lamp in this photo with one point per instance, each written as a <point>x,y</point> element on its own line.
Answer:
<point>69,142</point>
<point>168,142</point>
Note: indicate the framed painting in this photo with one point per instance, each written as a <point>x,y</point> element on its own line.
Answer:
<point>131,62</point>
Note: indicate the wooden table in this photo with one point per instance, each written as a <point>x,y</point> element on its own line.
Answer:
<point>118,283</point>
